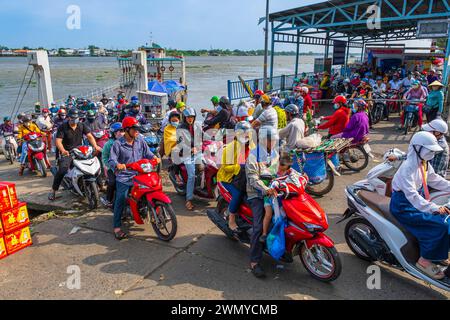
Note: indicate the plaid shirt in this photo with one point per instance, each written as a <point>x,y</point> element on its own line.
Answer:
<point>440,160</point>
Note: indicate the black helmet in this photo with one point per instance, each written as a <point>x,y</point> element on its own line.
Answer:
<point>21,115</point>
<point>26,119</point>
<point>172,103</point>
<point>224,101</point>
<point>73,113</point>
<point>292,109</point>
<point>175,114</point>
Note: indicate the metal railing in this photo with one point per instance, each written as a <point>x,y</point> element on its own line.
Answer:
<point>94,94</point>
<point>236,90</point>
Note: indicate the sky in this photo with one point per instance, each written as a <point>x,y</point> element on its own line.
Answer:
<point>121,24</point>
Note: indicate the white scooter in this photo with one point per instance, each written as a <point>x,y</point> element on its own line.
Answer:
<point>374,234</point>
<point>82,177</point>
<point>379,179</point>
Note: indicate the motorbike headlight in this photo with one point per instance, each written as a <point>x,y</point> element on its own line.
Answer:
<point>146,167</point>
<point>37,148</point>
<point>312,227</point>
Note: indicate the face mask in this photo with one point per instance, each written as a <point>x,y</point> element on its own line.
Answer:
<point>336,106</point>
<point>175,124</point>
<point>62,116</point>
<point>76,121</point>
<point>135,111</point>
<point>426,154</point>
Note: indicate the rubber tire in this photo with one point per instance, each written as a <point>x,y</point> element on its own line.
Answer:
<point>350,165</point>
<point>172,215</point>
<point>377,113</point>
<point>337,265</point>
<point>93,195</point>
<point>347,237</point>
<point>222,206</point>
<point>180,192</point>
<point>9,152</point>
<point>408,125</point>
<point>43,168</point>
<point>330,178</point>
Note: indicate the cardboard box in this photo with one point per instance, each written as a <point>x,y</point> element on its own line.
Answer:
<point>18,240</point>
<point>3,252</point>
<point>8,196</point>
<point>15,218</point>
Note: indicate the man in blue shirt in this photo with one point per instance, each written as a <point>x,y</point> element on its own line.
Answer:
<point>126,150</point>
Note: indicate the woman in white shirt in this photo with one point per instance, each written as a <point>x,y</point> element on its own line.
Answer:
<point>411,206</point>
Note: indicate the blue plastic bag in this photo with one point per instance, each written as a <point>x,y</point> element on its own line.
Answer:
<point>276,242</point>
<point>315,167</point>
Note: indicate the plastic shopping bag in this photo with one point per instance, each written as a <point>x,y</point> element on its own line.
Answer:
<point>276,243</point>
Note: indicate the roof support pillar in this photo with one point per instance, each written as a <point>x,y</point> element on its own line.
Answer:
<point>297,57</point>
<point>272,58</point>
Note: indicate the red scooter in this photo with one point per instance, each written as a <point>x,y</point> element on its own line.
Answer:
<point>147,203</point>
<point>37,153</point>
<point>306,224</point>
<point>206,181</point>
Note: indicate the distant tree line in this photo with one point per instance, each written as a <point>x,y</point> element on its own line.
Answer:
<point>228,52</point>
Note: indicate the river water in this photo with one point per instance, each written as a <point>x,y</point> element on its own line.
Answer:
<point>206,76</point>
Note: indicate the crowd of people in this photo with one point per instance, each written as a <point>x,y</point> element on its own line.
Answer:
<point>258,136</point>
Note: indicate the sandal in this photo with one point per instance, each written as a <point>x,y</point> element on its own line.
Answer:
<point>432,271</point>
<point>189,206</point>
<point>445,263</point>
<point>120,235</point>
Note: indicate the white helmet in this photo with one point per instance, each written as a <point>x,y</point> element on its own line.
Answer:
<point>426,140</point>
<point>305,90</point>
<point>437,125</point>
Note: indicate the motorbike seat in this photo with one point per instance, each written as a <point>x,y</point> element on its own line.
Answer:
<point>381,205</point>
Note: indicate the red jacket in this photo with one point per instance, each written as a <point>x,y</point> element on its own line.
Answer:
<point>337,122</point>
<point>308,103</point>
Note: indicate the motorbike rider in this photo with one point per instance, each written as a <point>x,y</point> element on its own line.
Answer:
<point>170,133</point>
<point>358,126</point>
<point>395,83</point>
<point>439,129</point>
<point>128,149</point>
<point>431,77</point>
<point>223,117</point>
<point>415,93</point>
<point>324,85</point>
<point>294,131</point>
<point>45,123</point>
<point>104,99</point>
<point>411,205</point>
<point>135,112</point>
<point>7,127</point>
<point>25,128</point>
<point>347,88</point>
<point>215,102</point>
<point>116,132</point>
<point>189,140</point>
<point>262,161</point>
<point>172,108</point>
<point>297,99</point>
<point>281,115</point>
<point>257,109</point>
<point>339,120</point>
<point>69,136</point>
<point>269,117</point>
<point>379,86</point>
<point>406,82</point>
<point>232,170</point>
<point>94,121</point>
<point>435,101</point>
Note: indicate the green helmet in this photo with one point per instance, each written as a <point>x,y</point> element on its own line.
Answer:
<point>215,100</point>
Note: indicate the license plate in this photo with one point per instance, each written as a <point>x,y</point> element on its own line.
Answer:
<point>367,148</point>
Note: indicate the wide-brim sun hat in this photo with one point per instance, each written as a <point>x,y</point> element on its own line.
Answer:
<point>437,84</point>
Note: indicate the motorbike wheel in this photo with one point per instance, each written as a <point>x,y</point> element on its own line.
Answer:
<point>377,113</point>
<point>42,168</point>
<point>322,263</point>
<point>322,188</point>
<point>408,124</point>
<point>165,222</point>
<point>181,190</point>
<point>92,195</point>
<point>365,226</point>
<point>9,155</point>
<point>355,158</point>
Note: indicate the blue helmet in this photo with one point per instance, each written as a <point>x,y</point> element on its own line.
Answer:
<point>115,127</point>
<point>189,112</point>
<point>134,98</point>
<point>7,119</point>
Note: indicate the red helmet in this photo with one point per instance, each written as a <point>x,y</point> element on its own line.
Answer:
<point>130,122</point>
<point>45,110</point>
<point>340,99</point>
<point>258,93</point>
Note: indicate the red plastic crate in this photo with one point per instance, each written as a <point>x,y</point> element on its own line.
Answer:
<point>15,218</point>
<point>18,240</point>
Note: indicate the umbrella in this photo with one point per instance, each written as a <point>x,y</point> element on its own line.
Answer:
<point>156,86</point>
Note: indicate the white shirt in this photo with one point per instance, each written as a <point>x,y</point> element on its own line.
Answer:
<point>379,89</point>
<point>395,85</point>
<point>293,133</point>
<point>408,179</point>
<point>46,122</point>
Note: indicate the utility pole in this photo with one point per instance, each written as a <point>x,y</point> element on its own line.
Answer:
<point>266,48</point>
